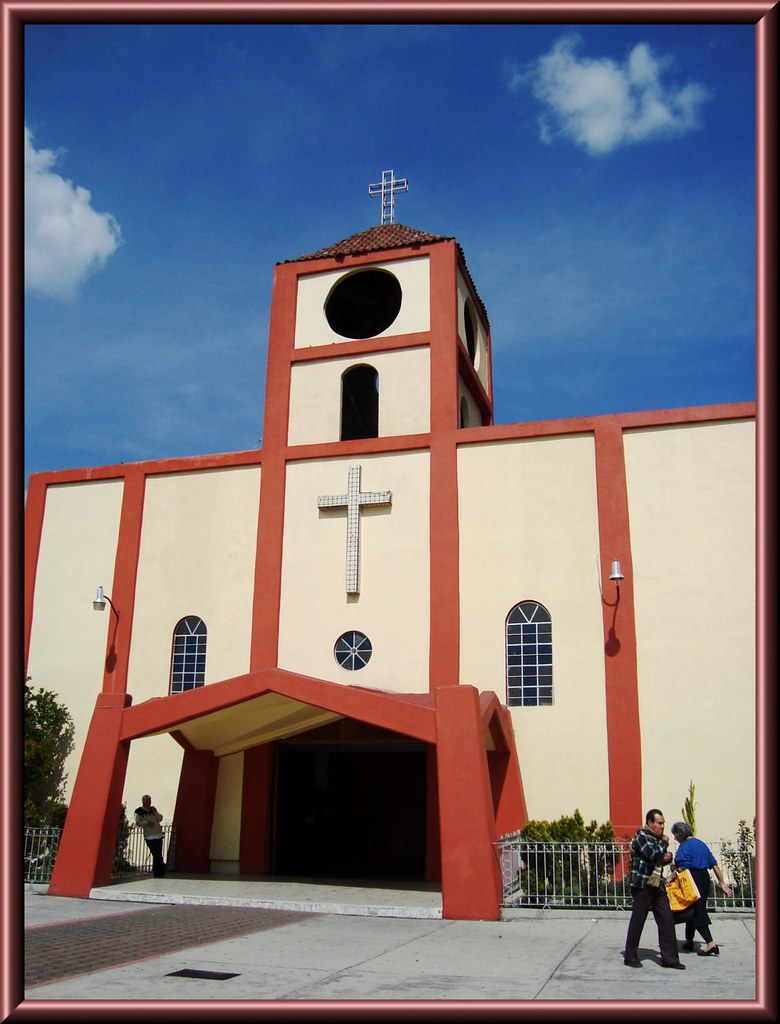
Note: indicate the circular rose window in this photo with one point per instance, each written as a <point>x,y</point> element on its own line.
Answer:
<point>353,650</point>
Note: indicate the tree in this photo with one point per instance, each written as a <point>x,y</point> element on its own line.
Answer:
<point>48,740</point>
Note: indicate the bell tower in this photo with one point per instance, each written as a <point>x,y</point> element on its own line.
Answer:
<point>380,335</point>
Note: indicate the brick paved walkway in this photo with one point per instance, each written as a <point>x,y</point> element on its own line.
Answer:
<point>53,952</point>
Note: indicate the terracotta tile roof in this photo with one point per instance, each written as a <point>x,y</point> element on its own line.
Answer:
<point>382,237</point>
<point>375,239</point>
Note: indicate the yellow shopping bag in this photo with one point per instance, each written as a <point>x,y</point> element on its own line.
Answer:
<point>682,891</point>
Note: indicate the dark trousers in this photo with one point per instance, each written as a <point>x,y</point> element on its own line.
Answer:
<point>156,847</point>
<point>701,919</point>
<point>652,898</point>
<point>703,929</point>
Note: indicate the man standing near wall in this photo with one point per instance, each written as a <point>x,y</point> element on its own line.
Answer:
<point>650,852</point>
<point>149,818</point>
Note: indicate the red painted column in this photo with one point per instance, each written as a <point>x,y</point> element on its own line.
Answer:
<point>432,834</point>
<point>256,792</point>
<point>124,582</point>
<point>264,650</point>
<point>444,656</point>
<point>33,530</point>
<point>506,782</point>
<point>88,843</point>
<point>471,875</point>
<point>194,811</point>
<point>624,738</point>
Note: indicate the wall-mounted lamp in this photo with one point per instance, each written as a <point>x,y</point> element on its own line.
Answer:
<point>99,604</point>
<point>616,575</point>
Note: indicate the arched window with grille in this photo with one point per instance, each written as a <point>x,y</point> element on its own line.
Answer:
<point>529,660</point>
<point>188,661</point>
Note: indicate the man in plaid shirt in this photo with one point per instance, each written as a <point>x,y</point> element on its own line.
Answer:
<point>649,854</point>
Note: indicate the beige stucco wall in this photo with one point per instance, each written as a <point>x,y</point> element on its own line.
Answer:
<point>153,767</point>
<point>198,542</point>
<point>197,558</point>
<point>226,826</point>
<point>392,608</point>
<point>404,395</point>
<point>312,327</point>
<point>691,491</point>
<point>529,531</point>
<point>68,638</point>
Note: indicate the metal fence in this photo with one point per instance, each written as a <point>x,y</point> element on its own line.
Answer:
<point>40,849</point>
<point>542,875</point>
<point>595,875</point>
<point>132,854</point>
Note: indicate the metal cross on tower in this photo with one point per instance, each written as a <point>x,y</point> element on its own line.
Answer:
<point>352,501</point>
<point>387,188</point>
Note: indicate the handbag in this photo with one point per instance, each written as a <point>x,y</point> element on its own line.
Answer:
<point>683,892</point>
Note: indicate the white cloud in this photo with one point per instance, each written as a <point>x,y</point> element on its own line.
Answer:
<point>602,105</point>
<point>65,239</point>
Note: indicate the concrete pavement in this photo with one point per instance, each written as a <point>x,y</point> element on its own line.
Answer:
<point>302,941</point>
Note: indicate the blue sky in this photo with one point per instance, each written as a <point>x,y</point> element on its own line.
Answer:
<point>600,179</point>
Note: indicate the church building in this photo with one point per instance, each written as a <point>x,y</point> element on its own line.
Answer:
<point>398,630</point>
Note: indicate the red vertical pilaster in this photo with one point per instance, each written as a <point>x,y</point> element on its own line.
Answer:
<point>506,782</point>
<point>86,852</point>
<point>123,586</point>
<point>264,650</point>
<point>444,657</point>
<point>432,835</point>
<point>256,791</point>
<point>194,813</point>
<point>470,872</point>
<point>33,531</point>
<point>620,658</point>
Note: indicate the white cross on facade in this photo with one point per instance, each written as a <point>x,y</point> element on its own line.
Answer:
<point>387,188</point>
<point>352,501</point>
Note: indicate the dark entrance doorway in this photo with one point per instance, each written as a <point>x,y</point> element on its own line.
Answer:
<point>350,810</point>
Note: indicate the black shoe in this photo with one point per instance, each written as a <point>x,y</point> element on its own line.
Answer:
<point>709,952</point>
<point>675,965</point>
<point>632,963</point>
<point>688,945</point>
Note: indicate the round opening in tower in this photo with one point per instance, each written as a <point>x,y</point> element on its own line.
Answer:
<point>363,304</point>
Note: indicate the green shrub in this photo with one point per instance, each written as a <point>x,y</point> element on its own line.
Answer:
<point>568,829</point>
<point>121,863</point>
<point>550,870</point>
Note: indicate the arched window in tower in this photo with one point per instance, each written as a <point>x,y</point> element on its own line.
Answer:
<point>359,403</point>
<point>464,413</point>
<point>188,661</point>
<point>470,327</point>
<point>529,680</point>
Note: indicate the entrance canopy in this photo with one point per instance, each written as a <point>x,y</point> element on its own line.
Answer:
<point>271,704</point>
<point>477,790</point>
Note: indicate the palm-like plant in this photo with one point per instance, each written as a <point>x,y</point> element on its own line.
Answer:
<point>689,809</point>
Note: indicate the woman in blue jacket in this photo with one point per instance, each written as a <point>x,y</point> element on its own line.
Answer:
<point>697,857</point>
